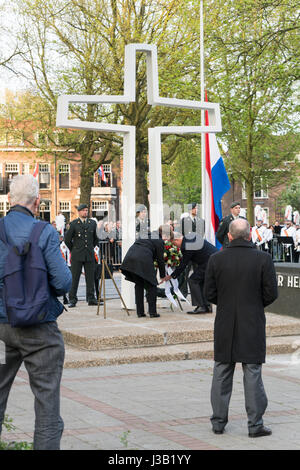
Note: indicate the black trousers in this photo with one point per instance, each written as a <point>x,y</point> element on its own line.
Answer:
<point>139,287</point>
<point>76,268</point>
<point>197,295</point>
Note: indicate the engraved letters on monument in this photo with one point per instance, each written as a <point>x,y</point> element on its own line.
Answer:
<point>288,282</point>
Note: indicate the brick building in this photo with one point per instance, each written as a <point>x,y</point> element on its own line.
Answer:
<point>59,180</point>
<point>268,199</point>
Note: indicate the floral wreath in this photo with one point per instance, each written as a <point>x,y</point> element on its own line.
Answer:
<point>172,255</point>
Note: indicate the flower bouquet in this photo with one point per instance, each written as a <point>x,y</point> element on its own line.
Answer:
<point>172,258</point>
<point>172,255</point>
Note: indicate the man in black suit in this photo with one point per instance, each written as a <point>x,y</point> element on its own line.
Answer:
<point>138,267</point>
<point>241,281</point>
<point>81,239</point>
<point>196,250</point>
<point>223,229</point>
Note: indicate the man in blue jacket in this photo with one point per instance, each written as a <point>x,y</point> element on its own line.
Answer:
<point>40,346</point>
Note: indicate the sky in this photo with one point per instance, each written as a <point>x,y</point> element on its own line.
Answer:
<point>8,24</point>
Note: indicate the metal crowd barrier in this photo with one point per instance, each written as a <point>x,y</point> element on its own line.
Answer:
<point>111,252</point>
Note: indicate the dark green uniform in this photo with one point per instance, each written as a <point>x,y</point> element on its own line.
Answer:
<point>81,239</point>
<point>223,229</point>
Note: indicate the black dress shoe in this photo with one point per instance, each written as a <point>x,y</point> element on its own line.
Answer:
<point>263,431</point>
<point>141,315</point>
<point>154,315</point>
<point>198,310</point>
<point>92,302</point>
<point>72,304</point>
<point>218,431</point>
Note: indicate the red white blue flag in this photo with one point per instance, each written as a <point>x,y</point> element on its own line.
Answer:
<point>102,174</point>
<point>36,171</point>
<point>216,185</point>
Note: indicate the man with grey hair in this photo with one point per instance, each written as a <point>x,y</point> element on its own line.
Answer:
<point>41,345</point>
<point>241,281</point>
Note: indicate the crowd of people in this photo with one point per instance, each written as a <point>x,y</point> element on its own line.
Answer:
<point>239,330</point>
<point>282,241</point>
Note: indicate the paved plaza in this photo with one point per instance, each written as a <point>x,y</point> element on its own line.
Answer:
<point>144,384</point>
<point>162,406</point>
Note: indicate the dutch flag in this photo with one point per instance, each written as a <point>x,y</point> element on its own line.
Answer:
<point>102,174</point>
<point>36,171</point>
<point>216,185</point>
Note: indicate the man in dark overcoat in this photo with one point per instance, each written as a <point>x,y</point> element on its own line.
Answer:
<point>81,238</point>
<point>223,229</point>
<point>241,281</point>
<point>138,267</point>
<point>197,251</point>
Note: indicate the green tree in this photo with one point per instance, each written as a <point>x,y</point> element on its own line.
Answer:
<point>77,47</point>
<point>291,196</point>
<point>251,69</point>
<point>182,175</point>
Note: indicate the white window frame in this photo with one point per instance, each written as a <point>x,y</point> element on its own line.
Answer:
<point>26,169</point>
<point>64,206</point>
<point>69,172</point>
<point>263,192</point>
<point>37,138</point>
<point>41,170</point>
<point>106,169</point>
<point>10,169</point>
<point>47,205</point>
<point>97,206</point>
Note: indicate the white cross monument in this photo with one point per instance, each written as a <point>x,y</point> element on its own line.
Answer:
<point>128,132</point>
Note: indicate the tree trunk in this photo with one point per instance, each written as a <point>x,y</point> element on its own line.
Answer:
<point>142,180</point>
<point>86,184</point>
<point>250,208</point>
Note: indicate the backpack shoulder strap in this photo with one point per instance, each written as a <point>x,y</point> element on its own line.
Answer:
<point>36,231</point>
<point>3,236</point>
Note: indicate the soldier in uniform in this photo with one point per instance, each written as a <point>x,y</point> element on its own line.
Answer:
<point>192,223</point>
<point>142,227</point>
<point>81,238</point>
<point>222,232</point>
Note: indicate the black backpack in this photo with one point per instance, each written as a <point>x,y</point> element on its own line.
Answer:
<point>26,287</point>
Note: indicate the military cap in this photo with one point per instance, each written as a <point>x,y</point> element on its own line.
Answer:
<point>140,208</point>
<point>235,203</point>
<point>82,206</point>
<point>192,205</point>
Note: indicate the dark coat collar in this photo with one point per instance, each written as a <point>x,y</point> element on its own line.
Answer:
<point>19,208</point>
<point>240,242</point>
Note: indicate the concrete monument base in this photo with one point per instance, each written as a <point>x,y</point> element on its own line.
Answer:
<point>288,281</point>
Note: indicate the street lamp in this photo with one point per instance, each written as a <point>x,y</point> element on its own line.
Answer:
<point>42,209</point>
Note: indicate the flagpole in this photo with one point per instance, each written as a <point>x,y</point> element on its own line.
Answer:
<point>202,112</point>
